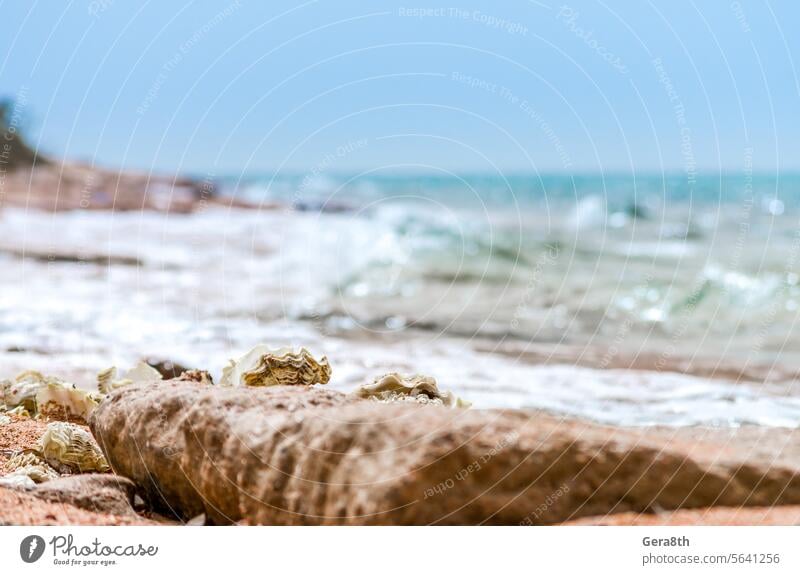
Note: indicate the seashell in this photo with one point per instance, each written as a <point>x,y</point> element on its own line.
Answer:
<point>30,464</point>
<point>55,401</point>
<point>394,388</point>
<point>69,447</point>
<point>4,419</point>
<point>37,473</point>
<point>23,389</point>
<point>141,372</point>
<point>263,366</point>
<point>108,380</point>
<point>197,375</point>
<point>19,411</point>
<point>24,458</point>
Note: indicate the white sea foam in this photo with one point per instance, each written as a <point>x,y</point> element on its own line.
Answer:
<point>412,286</point>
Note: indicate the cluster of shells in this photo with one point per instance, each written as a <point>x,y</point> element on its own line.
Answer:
<point>263,366</point>
<point>34,394</point>
<point>67,448</point>
<point>63,449</point>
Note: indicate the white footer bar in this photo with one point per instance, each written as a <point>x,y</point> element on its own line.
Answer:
<point>401,550</point>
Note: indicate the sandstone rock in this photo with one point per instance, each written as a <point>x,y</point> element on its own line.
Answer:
<point>21,508</point>
<point>54,186</point>
<point>57,186</point>
<point>100,493</point>
<point>310,456</point>
<point>167,414</point>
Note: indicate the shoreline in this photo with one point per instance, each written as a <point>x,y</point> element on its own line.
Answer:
<point>552,380</point>
<point>753,465</point>
<point>60,186</point>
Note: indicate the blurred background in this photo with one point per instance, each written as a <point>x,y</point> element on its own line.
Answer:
<point>587,208</point>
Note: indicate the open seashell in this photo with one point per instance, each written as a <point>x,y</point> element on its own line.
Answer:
<point>263,366</point>
<point>108,380</point>
<point>56,401</point>
<point>70,448</point>
<point>394,388</point>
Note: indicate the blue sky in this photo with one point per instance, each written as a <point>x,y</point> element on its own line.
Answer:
<point>248,87</point>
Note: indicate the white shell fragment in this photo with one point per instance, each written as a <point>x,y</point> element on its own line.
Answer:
<point>17,480</point>
<point>108,380</point>
<point>394,387</point>
<point>263,366</point>
<point>67,447</point>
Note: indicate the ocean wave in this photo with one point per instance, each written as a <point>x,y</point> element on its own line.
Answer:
<point>412,276</point>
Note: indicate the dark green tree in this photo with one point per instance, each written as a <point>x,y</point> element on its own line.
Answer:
<point>14,148</point>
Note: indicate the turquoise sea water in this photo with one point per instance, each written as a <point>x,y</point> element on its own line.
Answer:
<point>704,264</point>
<point>505,190</point>
<point>631,301</point>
